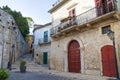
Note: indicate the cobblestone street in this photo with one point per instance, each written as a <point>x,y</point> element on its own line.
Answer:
<point>42,72</point>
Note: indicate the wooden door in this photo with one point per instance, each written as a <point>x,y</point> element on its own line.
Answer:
<point>104,6</point>
<point>45,58</point>
<point>108,61</point>
<point>110,5</point>
<point>74,64</point>
<point>99,9</point>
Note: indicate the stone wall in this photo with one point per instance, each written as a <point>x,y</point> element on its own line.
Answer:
<point>40,50</point>
<point>117,40</point>
<point>11,40</point>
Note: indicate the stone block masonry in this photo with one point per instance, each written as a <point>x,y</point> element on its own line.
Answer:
<point>12,43</point>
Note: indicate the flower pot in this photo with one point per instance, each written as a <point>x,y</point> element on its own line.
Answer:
<point>22,69</point>
<point>23,66</point>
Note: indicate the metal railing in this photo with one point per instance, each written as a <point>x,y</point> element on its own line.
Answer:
<point>86,16</point>
<point>83,18</point>
<point>43,40</point>
<point>54,30</point>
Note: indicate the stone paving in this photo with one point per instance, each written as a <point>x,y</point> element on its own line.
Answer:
<point>42,72</point>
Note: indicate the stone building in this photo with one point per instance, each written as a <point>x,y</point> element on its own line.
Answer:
<point>12,44</point>
<point>42,43</point>
<point>79,41</point>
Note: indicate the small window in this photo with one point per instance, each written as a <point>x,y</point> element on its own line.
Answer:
<point>105,29</point>
<point>72,12</point>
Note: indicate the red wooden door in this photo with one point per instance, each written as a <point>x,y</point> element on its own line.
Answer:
<point>108,61</point>
<point>74,64</point>
<point>110,5</point>
<point>99,7</point>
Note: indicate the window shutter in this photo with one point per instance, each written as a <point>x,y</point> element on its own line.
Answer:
<point>46,36</point>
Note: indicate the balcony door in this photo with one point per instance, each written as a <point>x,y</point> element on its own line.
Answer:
<point>111,6</point>
<point>104,6</point>
<point>46,36</point>
<point>72,13</point>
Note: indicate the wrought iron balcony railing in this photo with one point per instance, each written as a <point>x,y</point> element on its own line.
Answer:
<point>83,18</point>
<point>43,40</point>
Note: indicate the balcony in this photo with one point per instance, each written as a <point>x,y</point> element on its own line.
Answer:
<point>44,41</point>
<point>89,17</point>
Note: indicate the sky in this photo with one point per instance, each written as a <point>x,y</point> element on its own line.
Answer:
<point>36,9</point>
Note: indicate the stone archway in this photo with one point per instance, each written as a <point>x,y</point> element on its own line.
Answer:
<point>66,44</point>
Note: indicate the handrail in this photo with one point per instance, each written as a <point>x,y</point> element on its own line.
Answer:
<point>43,40</point>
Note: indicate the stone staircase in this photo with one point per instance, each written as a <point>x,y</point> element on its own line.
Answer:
<point>31,66</point>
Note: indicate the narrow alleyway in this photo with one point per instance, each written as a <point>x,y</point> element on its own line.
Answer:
<point>42,72</point>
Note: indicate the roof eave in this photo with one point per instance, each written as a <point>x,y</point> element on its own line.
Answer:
<point>57,6</point>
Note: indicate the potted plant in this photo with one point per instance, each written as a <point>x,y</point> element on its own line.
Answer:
<point>66,19</point>
<point>4,74</point>
<point>59,29</point>
<point>22,66</point>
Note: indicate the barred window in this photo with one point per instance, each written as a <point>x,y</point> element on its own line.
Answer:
<point>105,29</point>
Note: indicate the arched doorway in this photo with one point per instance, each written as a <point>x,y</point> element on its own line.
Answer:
<point>108,61</point>
<point>74,63</point>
